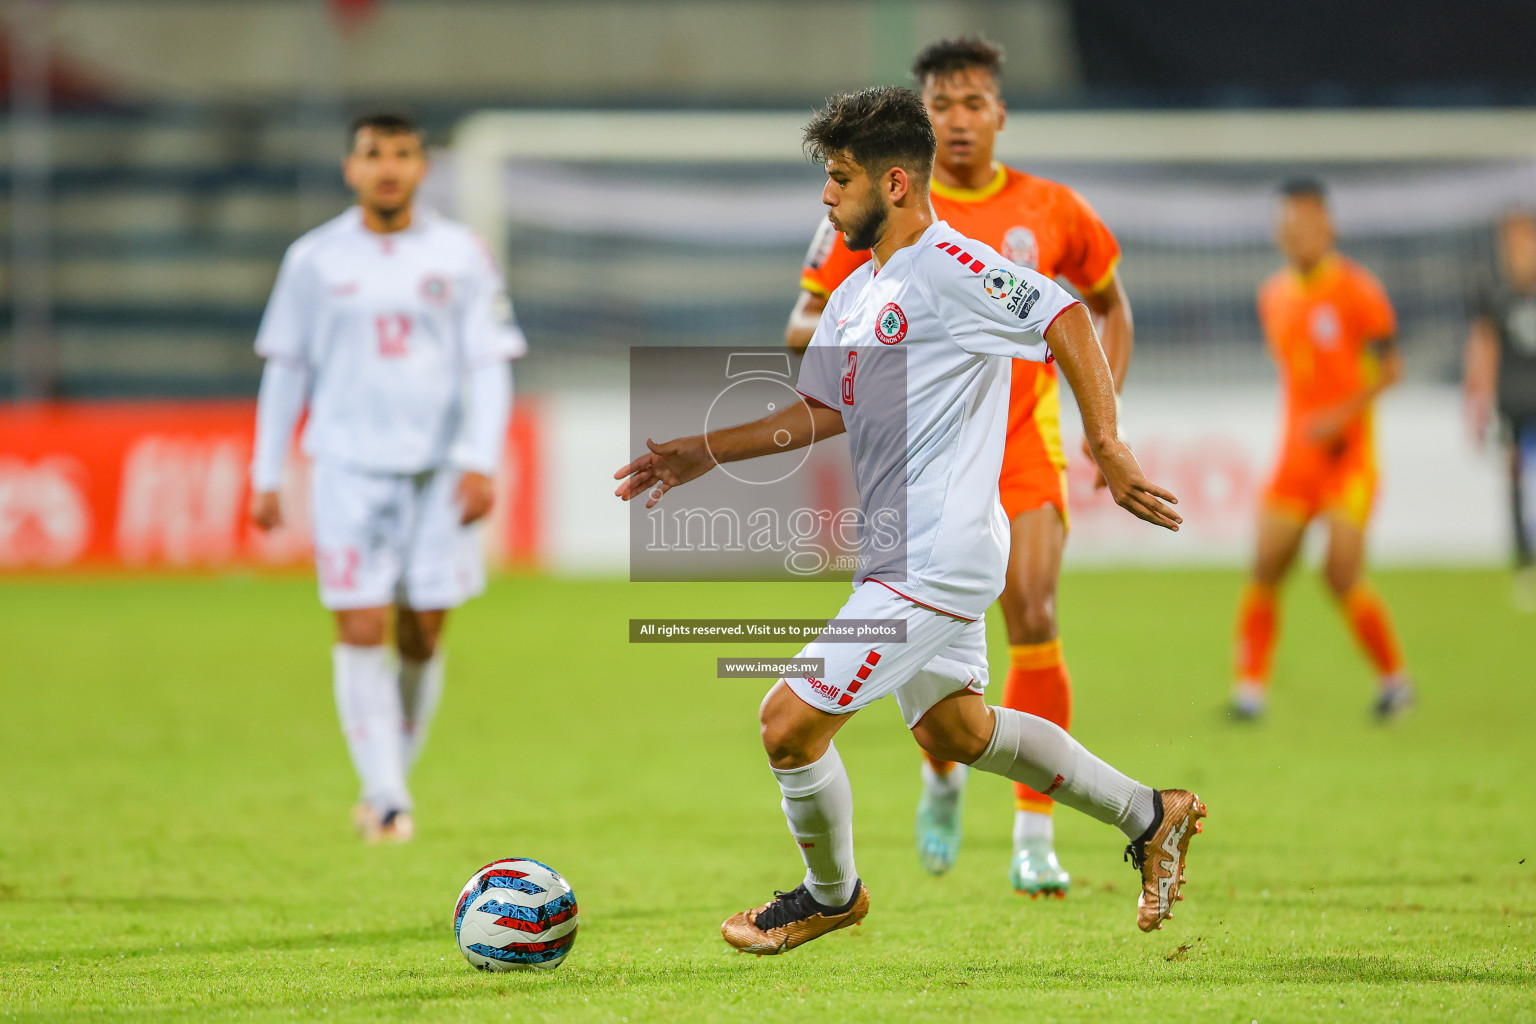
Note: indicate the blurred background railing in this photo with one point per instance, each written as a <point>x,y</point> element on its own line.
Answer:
<point>636,165</point>
<point>167,150</point>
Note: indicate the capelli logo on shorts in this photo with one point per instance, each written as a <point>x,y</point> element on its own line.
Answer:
<point>826,689</point>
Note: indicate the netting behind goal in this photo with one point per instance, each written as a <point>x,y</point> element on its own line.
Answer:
<point>676,229</point>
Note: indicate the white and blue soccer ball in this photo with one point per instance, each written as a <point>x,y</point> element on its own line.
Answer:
<point>515,915</point>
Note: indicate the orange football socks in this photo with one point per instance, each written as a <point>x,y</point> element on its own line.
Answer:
<point>1038,684</point>
<point>1257,620</point>
<point>1372,626</point>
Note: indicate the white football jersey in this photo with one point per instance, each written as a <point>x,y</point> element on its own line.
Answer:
<point>944,316</point>
<point>388,326</point>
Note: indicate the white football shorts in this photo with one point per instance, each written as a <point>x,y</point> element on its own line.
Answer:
<point>941,655</point>
<point>387,537</point>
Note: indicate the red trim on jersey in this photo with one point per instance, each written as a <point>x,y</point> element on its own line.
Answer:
<point>920,604</point>
<point>874,658</point>
<point>1063,309</point>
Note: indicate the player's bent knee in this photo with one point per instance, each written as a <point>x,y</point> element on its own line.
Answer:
<point>794,734</point>
<point>417,634</point>
<point>1037,621</point>
<point>361,627</point>
<point>950,744</point>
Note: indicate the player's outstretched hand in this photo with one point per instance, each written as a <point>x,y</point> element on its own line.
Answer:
<point>266,510</point>
<point>1133,491</point>
<point>476,495</point>
<point>665,466</point>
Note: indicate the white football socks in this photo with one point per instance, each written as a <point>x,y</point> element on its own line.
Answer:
<point>944,791</point>
<point>818,802</point>
<point>368,701</point>
<point>1041,755</point>
<point>421,687</point>
<point>1033,826</point>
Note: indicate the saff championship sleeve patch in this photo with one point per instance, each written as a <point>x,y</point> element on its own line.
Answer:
<point>1004,286</point>
<point>998,283</point>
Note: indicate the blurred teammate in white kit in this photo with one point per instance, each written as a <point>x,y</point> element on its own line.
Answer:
<point>392,325</point>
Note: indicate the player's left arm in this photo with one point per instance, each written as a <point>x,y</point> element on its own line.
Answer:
<point>1006,310</point>
<point>1092,264</point>
<point>1110,308</point>
<point>491,339</point>
<point>1378,324</point>
<point>1077,350</point>
<point>488,411</point>
<point>1329,424</point>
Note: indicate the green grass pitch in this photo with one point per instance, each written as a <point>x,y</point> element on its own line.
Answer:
<point>174,798</point>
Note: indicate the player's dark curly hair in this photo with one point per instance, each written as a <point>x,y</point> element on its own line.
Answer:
<point>962,53</point>
<point>1304,188</point>
<point>385,122</point>
<point>878,129</point>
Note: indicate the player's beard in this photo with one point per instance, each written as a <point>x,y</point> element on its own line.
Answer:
<point>389,209</point>
<point>866,226</point>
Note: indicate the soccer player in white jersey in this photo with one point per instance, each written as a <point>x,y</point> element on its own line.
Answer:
<point>944,313</point>
<point>392,325</point>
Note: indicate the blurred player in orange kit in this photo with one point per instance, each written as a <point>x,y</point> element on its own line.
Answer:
<point>1044,226</point>
<point>1330,329</point>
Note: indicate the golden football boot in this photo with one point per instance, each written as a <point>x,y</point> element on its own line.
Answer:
<point>791,919</point>
<point>1159,854</point>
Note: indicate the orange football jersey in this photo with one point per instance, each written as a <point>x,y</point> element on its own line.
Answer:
<point>1319,330</point>
<point>1036,223</point>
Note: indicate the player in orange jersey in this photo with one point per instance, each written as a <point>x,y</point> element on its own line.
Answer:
<point>1047,227</point>
<point>1330,329</point>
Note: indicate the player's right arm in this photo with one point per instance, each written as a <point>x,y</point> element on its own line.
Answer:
<point>283,340</point>
<point>1481,373</point>
<point>814,418</point>
<point>828,262</point>
<point>803,319</point>
<point>673,463</point>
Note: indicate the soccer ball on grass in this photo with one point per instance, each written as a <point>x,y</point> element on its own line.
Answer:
<point>515,915</point>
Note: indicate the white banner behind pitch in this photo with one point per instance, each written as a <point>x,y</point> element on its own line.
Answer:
<point>1442,499</point>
